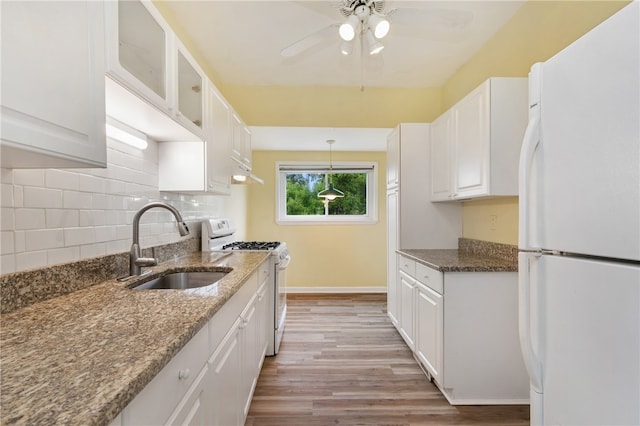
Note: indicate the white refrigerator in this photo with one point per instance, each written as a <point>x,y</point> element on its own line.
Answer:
<point>579,236</point>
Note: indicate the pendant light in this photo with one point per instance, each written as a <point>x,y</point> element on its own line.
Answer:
<point>330,193</point>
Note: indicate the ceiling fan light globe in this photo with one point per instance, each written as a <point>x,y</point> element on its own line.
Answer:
<point>347,33</point>
<point>374,45</point>
<point>348,29</point>
<point>380,25</point>
<point>346,48</point>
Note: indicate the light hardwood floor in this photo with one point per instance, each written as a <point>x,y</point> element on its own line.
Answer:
<point>342,362</point>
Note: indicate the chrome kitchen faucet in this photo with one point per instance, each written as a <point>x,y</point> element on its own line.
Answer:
<point>135,261</point>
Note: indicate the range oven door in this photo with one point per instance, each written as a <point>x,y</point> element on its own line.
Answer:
<point>280,299</point>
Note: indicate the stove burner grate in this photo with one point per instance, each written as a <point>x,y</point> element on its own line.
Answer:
<point>251,245</point>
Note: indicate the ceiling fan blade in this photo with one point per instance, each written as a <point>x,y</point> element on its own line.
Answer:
<point>328,8</point>
<point>310,41</point>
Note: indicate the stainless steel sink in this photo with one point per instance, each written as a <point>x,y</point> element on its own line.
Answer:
<point>182,280</point>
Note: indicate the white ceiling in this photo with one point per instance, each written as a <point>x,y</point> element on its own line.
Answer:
<point>242,40</point>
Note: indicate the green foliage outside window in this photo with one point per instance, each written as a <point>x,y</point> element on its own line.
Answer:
<point>303,188</point>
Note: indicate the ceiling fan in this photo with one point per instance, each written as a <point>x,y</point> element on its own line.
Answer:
<point>369,21</point>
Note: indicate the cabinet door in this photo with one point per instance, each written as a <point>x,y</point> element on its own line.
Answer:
<point>218,143</point>
<point>158,400</point>
<point>53,112</point>
<point>237,137</point>
<point>407,286</point>
<point>240,145</point>
<point>472,148</point>
<point>430,330</point>
<point>246,147</point>
<point>250,354</point>
<point>261,313</point>
<point>138,46</point>
<point>225,398</point>
<point>441,158</point>
<point>189,91</point>
<point>392,256</point>
<point>393,158</point>
<point>193,409</point>
<point>181,166</point>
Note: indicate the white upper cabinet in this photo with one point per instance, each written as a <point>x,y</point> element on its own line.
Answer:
<point>441,157</point>
<point>153,84</point>
<point>218,143</point>
<point>393,158</point>
<point>241,144</point>
<point>200,166</point>
<point>138,50</point>
<point>487,127</point>
<point>53,66</point>
<point>189,90</point>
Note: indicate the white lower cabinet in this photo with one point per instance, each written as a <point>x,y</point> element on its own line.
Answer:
<point>192,410</point>
<point>226,367</point>
<point>212,379</point>
<point>429,330</point>
<point>464,332</point>
<point>407,286</point>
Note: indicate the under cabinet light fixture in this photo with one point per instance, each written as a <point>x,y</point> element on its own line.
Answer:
<point>122,133</point>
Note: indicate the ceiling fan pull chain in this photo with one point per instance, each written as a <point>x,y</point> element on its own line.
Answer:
<point>362,63</point>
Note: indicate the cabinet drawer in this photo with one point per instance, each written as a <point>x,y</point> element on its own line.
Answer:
<point>407,265</point>
<point>430,277</point>
<point>157,400</point>
<point>230,311</point>
<point>264,270</point>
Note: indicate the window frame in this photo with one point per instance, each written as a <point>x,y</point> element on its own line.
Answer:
<point>368,167</point>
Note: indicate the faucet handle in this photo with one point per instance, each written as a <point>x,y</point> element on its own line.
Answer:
<point>146,261</point>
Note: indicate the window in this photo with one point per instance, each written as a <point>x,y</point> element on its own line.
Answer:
<point>299,183</point>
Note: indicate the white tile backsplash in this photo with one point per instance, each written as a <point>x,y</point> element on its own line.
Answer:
<point>30,260</point>
<point>51,216</point>
<point>62,218</point>
<point>43,239</point>
<point>42,197</point>
<point>6,195</point>
<point>93,250</point>
<point>63,255</point>
<point>7,242</point>
<point>7,263</point>
<point>94,218</point>
<point>78,236</point>
<point>28,177</point>
<point>7,219</point>
<point>61,179</point>
<point>30,218</point>
<point>77,200</point>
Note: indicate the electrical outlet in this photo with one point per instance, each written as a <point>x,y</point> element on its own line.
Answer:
<point>493,222</point>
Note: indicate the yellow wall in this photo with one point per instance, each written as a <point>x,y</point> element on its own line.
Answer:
<point>537,31</point>
<point>319,106</point>
<point>356,253</point>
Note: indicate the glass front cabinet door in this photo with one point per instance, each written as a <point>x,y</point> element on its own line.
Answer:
<point>190,91</point>
<point>138,44</point>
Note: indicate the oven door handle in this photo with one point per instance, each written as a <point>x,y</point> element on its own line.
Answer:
<point>284,263</point>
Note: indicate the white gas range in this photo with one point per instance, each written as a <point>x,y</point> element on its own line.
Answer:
<point>218,235</point>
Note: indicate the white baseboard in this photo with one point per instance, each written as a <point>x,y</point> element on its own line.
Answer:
<point>329,290</point>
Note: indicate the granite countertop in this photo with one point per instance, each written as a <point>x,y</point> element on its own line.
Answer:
<point>453,260</point>
<point>82,357</point>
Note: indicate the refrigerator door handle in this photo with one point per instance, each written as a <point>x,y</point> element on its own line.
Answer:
<point>529,146</point>
<point>531,361</point>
